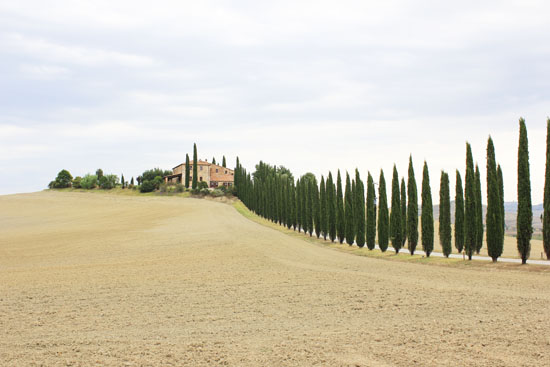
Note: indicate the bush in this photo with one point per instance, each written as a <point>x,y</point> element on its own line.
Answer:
<point>204,191</point>
<point>179,188</point>
<point>158,180</point>
<point>108,182</point>
<point>217,193</point>
<point>164,188</point>
<point>76,182</point>
<point>88,182</point>
<point>63,180</point>
<point>202,185</point>
<point>147,186</point>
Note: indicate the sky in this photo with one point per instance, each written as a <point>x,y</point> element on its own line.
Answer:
<point>312,85</point>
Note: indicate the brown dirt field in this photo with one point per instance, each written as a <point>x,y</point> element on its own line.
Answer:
<point>88,279</point>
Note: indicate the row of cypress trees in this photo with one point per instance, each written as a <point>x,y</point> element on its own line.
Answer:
<point>341,212</point>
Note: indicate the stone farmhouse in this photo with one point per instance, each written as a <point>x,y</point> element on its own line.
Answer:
<point>212,174</point>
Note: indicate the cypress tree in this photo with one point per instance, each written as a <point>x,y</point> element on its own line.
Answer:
<point>403,213</point>
<point>383,218</point>
<point>311,206</point>
<point>331,208</point>
<point>412,210</point>
<point>459,213</point>
<point>132,181</point>
<point>395,215</point>
<point>546,204</point>
<point>371,214</point>
<point>525,210</point>
<point>213,160</point>
<point>501,202</point>
<point>348,198</point>
<point>292,198</point>
<point>469,205</point>
<point>340,219</point>
<point>122,180</point>
<point>187,171</point>
<point>427,218</point>
<point>195,165</point>
<point>479,212</point>
<point>316,210</point>
<point>494,228</point>
<point>445,232</point>
<point>323,213</point>
<point>359,210</point>
<point>299,205</point>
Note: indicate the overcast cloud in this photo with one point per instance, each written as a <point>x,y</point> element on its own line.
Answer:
<point>312,85</point>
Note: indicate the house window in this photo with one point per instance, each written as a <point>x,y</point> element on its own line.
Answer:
<point>226,172</point>
<point>201,178</point>
<point>216,170</point>
<point>201,168</point>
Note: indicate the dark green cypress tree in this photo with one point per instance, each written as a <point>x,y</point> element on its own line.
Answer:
<point>412,210</point>
<point>403,213</point>
<point>311,206</point>
<point>469,205</point>
<point>187,171</point>
<point>371,214</point>
<point>299,205</point>
<point>445,231</point>
<point>395,215</point>
<point>316,210</point>
<point>525,210</point>
<point>323,211</point>
<point>292,204</point>
<point>224,164</point>
<point>494,246</point>
<point>303,204</point>
<point>132,181</point>
<point>546,203</point>
<point>348,198</point>
<point>459,213</point>
<point>501,202</point>
<point>383,217</point>
<point>195,165</point>
<point>122,181</point>
<point>359,206</point>
<point>331,208</point>
<point>427,216</point>
<point>213,160</point>
<point>479,212</point>
<point>340,219</point>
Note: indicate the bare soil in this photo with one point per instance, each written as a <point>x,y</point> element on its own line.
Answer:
<point>88,279</point>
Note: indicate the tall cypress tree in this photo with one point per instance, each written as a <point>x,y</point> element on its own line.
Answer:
<point>292,198</point>
<point>331,208</point>
<point>224,164</point>
<point>122,180</point>
<point>479,212</point>
<point>195,165</point>
<point>348,198</point>
<point>371,214</point>
<point>359,210</point>
<point>412,210</point>
<point>396,231</point>
<point>427,218</point>
<point>459,213</point>
<point>316,209</point>
<point>340,219</point>
<point>298,205</point>
<point>187,171</point>
<point>546,204</point>
<point>445,232</point>
<point>383,217</point>
<point>525,210</point>
<point>403,212</point>
<point>323,214</point>
<point>502,217</point>
<point>494,245</point>
<point>470,205</point>
<point>213,160</point>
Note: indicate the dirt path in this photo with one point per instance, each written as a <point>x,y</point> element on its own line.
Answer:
<point>90,279</point>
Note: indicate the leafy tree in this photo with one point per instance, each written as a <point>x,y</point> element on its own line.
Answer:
<point>494,228</point>
<point>147,186</point>
<point>150,175</point>
<point>469,205</point>
<point>525,210</point>
<point>459,213</point>
<point>108,182</point>
<point>323,210</point>
<point>383,217</point>
<point>412,210</point>
<point>76,182</point>
<point>195,167</point>
<point>546,214</point>
<point>88,182</point>
<point>188,171</point>
<point>359,206</point>
<point>395,215</point>
<point>331,208</point>
<point>99,173</point>
<point>445,232</point>
<point>340,219</point>
<point>371,214</point>
<point>427,213</point>
<point>64,179</point>
<point>403,212</point>
<point>348,198</point>
<point>224,164</point>
<point>479,212</point>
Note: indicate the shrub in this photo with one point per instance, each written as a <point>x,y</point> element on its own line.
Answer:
<point>88,182</point>
<point>164,188</point>
<point>179,188</point>
<point>76,182</point>
<point>204,191</point>
<point>158,181</point>
<point>203,185</point>
<point>108,182</point>
<point>147,186</point>
<point>217,193</point>
<point>63,179</point>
